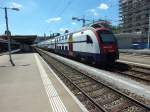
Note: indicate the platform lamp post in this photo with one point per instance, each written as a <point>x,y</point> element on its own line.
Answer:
<point>8,33</point>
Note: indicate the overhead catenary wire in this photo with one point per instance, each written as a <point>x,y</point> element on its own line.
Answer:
<point>59,14</point>
<point>66,7</point>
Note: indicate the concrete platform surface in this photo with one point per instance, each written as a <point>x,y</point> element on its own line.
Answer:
<point>137,51</point>
<point>143,59</point>
<point>13,51</point>
<point>32,86</point>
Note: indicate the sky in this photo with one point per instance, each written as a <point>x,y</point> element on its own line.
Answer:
<point>50,16</point>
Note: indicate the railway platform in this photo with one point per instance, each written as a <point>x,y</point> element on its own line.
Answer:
<point>13,51</point>
<point>32,86</point>
<point>139,59</point>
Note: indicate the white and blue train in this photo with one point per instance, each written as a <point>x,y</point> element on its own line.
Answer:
<point>95,44</point>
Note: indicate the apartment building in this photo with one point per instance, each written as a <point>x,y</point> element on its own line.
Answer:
<point>134,16</point>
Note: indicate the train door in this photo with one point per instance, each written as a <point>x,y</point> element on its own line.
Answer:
<point>70,45</point>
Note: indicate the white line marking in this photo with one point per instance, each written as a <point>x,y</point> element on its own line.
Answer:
<point>54,99</point>
<point>146,65</point>
<point>72,95</point>
<point>14,51</point>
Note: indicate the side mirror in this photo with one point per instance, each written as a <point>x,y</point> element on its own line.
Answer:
<point>89,39</point>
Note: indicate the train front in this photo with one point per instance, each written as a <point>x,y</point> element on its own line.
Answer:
<point>108,45</point>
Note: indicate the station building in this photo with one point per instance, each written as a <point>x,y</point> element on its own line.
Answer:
<point>21,41</point>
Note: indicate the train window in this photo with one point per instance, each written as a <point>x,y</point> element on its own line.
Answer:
<point>62,47</point>
<point>66,48</point>
<point>106,36</point>
<point>62,38</point>
<point>66,36</point>
<point>88,39</point>
<point>96,26</point>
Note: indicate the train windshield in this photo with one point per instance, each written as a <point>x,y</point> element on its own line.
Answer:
<point>106,36</point>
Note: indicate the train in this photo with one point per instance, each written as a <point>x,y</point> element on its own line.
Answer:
<point>95,44</point>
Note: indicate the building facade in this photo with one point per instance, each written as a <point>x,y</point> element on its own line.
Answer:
<point>134,16</point>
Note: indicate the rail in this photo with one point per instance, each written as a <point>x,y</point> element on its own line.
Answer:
<point>93,89</point>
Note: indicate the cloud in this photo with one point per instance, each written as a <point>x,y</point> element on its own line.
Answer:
<point>31,7</point>
<point>103,6</point>
<point>73,23</point>
<point>94,12</point>
<point>16,5</point>
<point>63,29</point>
<point>56,19</point>
<point>33,4</point>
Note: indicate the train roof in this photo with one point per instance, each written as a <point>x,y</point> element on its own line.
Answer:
<point>99,24</point>
<point>93,26</point>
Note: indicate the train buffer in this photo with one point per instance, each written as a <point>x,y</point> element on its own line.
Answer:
<point>32,86</point>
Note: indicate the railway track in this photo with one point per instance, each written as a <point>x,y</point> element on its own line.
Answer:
<point>95,95</point>
<point>139,73</point>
